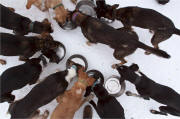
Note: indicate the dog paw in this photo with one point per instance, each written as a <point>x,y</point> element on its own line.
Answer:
<point>3,62</point>
<point>147,53</point>
<point>113,66</point>
<point>128,93</point>
<point>90,97</point>
<point>88,43</point>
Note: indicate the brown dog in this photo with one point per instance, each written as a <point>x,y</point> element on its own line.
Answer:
<point>59,10</point>
<point>72,99</point>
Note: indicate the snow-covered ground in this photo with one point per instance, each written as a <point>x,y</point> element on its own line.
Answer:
<point>164,71</point>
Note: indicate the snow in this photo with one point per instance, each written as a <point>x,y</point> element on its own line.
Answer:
<point>163,71</point>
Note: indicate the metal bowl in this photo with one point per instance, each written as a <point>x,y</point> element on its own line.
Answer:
<point>86,7</point>
<point>114,87</point>
<point>62,50</point>
<point>77,56</point>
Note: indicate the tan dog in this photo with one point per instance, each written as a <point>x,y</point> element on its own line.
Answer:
<point>72,99</point>
<point>59,10</point>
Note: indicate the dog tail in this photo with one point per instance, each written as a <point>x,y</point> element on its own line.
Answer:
<point>87,113</point>
<point>176,31</point>
<point>153,50</point>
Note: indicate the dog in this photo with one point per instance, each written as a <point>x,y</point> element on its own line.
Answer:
<point>22,25</point>
<point>72,99</point>
<point>43,93</point>
<point>107,106</point>
<point>60,12</point>
<point>19,76</point>
<point>148,88</point>
<point>25,46</point>
<point>162,26</point>
<point>123,42</point>
<point>87,112</point>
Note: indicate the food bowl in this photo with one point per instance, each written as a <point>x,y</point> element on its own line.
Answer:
<point>86,7</point>
<point>77,59</point>
<point>114,87</point>
<point>62,51</point>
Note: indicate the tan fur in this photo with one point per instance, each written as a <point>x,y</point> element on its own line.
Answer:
<point>72,99</point>
<point>60,12</point>
<point>3,62</point>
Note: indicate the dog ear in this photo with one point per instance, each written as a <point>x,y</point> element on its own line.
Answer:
<point>115,6</point>
<point>134,67</point>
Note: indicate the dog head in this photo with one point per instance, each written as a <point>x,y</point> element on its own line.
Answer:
<point>41,27</point>
<point>127,73</point>
<point>106,11</point>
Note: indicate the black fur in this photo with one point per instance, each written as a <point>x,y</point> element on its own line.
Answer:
<point>147,88</point>
<point>107,106</point>
<point>17,77</point>
<point>42,94</point>
<point>20,24</point>
<point>163,2</point>
<point>122,41</point>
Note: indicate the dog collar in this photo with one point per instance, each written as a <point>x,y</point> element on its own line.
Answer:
<point>83,82</point>
<point>74,16</point>
<point>31,26</point>
<point>137,81</point>
<point>74,67</point>
<point>95,83</point>
<point>58,5</point>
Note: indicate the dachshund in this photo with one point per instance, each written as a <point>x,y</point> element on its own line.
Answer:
<point>162,26</point>
<point>19,76</point>
<point>107,106</point>
<point>148,88</point>
<point>25,46</point>
<point>123,42</point>
<point>72,99</point>
<point>43,93</point>
<point>22,25</point>
<point>60,12</point>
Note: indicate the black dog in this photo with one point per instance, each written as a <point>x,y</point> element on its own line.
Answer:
<point>107,106</point>
<point>147,89</point>
<point>162,26</point>
<point>25,47</point>
<point>19,76</point>
<point>20,24</point>
<point>43,93</point>
<point>123,42</point>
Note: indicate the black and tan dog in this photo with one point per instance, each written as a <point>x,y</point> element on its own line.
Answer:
<point>123,42</point>
<point>147,89</point>
<point>20,24</point>
<point>162,26</point>
<point>107,106</point>
<point>25,47</point>
<point>19,76</point>
<point>43,93</point>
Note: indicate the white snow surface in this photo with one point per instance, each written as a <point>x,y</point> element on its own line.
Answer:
<point>163,71</point>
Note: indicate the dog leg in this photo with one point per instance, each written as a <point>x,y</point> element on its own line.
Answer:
<point>3,62</point>
<point>158,112</point>
<point>12,9</point>
<point>170,110</point>
<point>87,99</point>
<point>89,43</point>
<point>29,3</point>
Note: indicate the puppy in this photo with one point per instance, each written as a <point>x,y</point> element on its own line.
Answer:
<point>25,46</point>
<point>43,93</point>
<point>107,106</point>
<point>147,89</point>
<point>162,26</point>
<point>72,99</point>
<point>123,42</point>
<point>60,12</point>
<point>19,76</point>
<point>22,25</point>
